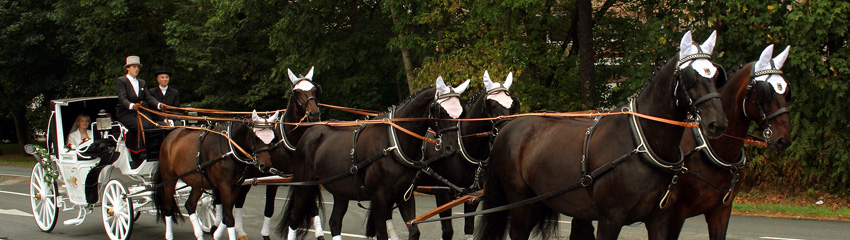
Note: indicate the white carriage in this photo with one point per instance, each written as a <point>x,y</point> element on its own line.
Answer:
<point>58,180</point>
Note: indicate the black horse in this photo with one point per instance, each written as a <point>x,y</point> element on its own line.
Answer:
<point>755,93</point>
<point>465,168</point>
<point>626,171</point>
<point>212,161</point>
<point>367,162</point>
<point>301,107</point>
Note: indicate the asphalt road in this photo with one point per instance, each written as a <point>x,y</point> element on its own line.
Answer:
<point>16,221</point>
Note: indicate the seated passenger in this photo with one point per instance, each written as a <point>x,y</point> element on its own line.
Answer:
<point>80,132</point>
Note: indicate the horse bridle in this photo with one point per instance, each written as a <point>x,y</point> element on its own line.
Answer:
<point>253,160</point>
<point>435,117</point>
<point>679,82</point>
<point>764,123</point>
<point>311,98</point>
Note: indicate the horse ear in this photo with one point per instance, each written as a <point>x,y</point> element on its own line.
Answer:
<point>509,80</point>
<point>292,76</point>
<point>441,86</point>
<point>488,83</point>
<point>462,87</point>
<point>764,60</point>
<point>255,117</point>
<point>779,60</point>
<point>685,45</point>
<point>708,46</point>
<point>274,117</point>
<point>310,74</point>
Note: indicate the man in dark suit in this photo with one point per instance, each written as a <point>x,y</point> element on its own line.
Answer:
<point>131,92</point>
<point>163,93</point>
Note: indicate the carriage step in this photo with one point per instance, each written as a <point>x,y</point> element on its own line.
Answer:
<point>75,221</point>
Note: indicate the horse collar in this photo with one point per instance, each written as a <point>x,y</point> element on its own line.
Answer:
<point>289,146</point>
<point>464,153</point>
<point>646,152</point>
<point>395,146</point>
<point>708,152</point>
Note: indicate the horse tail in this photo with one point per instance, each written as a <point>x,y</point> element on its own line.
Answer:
<point>299,210</point>
<point>158,195</point>
<point>370,224</point>
<point>547,223</point>
<point>493,225</point>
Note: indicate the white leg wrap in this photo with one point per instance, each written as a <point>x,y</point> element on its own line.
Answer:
<point>317,226</point>
<point>231,233</point>
<point>219,231</point>
<point>196,225</point>
<point>267,221</point>
<point>291,235</point>
<point>391,230</point>
<point>219,215</point>
<point>168,234</point>
<point>468,236</point>
<point>337,237</point>
<point>237,217</point>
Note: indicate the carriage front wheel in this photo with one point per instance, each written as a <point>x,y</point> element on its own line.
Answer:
<point>206,212</point>
<point>117,211</point>
<point>43,191</point>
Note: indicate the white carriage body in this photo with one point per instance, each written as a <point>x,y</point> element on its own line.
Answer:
<point>71,167</point>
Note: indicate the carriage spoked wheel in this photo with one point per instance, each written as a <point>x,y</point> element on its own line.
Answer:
<point>206,213</point>
<point>43,199</point>
<point>117,211</point>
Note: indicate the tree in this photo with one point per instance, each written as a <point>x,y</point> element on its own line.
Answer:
<point>30,62</point>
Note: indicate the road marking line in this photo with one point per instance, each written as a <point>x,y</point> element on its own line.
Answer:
<point>779,238</point>
<point>15,193</point>
<point>14,175</point>
<point>286,199</point>
<point>15,212</point>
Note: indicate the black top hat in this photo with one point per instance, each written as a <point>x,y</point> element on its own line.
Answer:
<point>162,70</point>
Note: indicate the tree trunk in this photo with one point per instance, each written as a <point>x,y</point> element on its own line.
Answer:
<point>405,55</point>
<point>586,58</point>
<point>20,128</point>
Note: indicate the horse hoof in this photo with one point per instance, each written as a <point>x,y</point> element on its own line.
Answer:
<point>320,238</point>
<point>240,235</point>
<point>266,238</point>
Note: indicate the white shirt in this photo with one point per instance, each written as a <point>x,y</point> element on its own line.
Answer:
<point>163,89</point>
<point>135,83</point>
<point>75,138</point>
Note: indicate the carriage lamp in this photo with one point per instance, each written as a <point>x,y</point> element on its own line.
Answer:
<point>104,123</point>
<point>192,113</point>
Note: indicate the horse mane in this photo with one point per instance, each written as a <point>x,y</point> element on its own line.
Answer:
<point>473,98</point>
<point>409,98</point>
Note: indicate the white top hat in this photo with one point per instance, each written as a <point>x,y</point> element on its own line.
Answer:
<point>133,60</point>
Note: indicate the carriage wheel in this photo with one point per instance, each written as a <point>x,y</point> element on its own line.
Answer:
<point>43,199</point>
<point>136,216</point>
<point>206,212</point>
<point>117,211</point>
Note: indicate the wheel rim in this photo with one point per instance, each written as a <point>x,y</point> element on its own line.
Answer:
<point>206,212</point>
<point>117,211</point>
<point>43,200</point>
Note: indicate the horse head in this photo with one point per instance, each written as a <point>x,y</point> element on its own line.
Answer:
<point>446,105</point>
<point>259,137</point>
<point>499,99</point>
<point>767,97</point>
<point>304,93</point>
<point>697,79</point>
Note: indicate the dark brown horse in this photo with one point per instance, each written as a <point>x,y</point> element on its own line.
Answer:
<point>221,165</point>
<point>367,163</point>
<point>301,107</point>
<point>756,93</point>
<point>465,168</point>
<point>614,169</point>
